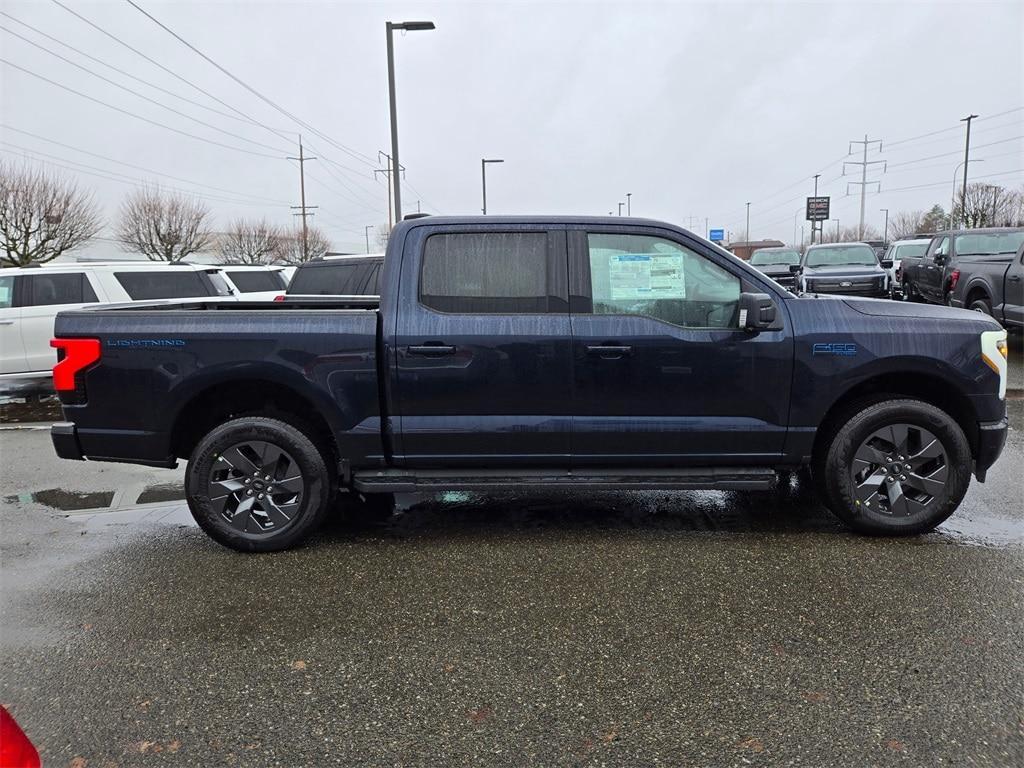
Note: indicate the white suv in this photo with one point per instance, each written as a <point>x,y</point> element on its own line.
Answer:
<point>31,297</point>
<point>255,283</point>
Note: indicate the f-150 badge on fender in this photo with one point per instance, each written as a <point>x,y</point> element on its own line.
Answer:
<point>841,350</point>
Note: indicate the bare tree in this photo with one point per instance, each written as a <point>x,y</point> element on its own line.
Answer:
<point>906,224</point>
<point>42,216</point>
<point>987,205</point>
<point>292,251</point>
<point>251,242</point>
<point>163,226</point>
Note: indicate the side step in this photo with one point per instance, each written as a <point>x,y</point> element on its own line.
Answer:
<point>628,479</point>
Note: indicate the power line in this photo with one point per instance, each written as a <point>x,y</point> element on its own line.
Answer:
<point>122,71</point>
<point>138,117</point>
<point>355,154</point>
<point>143,168</point>
<point>112,175</point>
<point>136,93</point>
<point>957,152</point>
<point>154,62</point>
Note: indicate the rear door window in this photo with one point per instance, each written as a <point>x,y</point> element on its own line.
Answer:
<point>347,278</point>
<point>67,288</point>
<point>163,284</point>
<point>254,281</point>
<point>486,273</point>
<point>6,291</point>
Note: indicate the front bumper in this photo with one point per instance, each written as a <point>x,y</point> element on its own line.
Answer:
<point>991,439</point>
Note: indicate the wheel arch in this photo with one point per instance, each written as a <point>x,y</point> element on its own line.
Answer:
<point>928,388</point>
<point>225,399</point>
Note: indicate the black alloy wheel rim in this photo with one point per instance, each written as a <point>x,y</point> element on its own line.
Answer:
<point>256,487</point>
<point>899,470</point>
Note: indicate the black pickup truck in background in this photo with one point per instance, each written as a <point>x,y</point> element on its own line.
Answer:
<point>993,285</point>
<point>335,276</point>
<point>522,353</point>
<point>978,269</point>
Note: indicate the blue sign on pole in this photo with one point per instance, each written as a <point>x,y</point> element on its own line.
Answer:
<point>716,235</point>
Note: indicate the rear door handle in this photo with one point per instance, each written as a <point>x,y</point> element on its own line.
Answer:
<point>1015,278</point>
<point>6,322</point>
<point>608,350</point>
<point>431,350</point>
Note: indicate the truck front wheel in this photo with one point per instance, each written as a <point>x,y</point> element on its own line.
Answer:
<point>258,485</point>
<point>897,467</point>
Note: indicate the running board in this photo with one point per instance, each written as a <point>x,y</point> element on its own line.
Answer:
<point>675,479</point>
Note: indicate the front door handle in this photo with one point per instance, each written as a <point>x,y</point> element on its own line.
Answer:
<point>1015,278</point>
<point>609,351</point>
<point>431,350</point>
<point>6,322</point>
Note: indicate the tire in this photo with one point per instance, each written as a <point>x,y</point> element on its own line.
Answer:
<point>868,486</point>
<point>982,305</point>
<point>269,471</point>
<point>910,293</point>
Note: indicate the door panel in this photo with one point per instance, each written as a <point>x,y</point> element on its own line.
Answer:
<point>1014,293</point>
<point>12,348</point>
<point>669,394</point>
<point>932,273</point>
<point>477,381</point>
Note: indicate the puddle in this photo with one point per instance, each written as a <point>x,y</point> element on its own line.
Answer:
<point>162,492</point>
<point>993,532</point>
<point>66,501</point>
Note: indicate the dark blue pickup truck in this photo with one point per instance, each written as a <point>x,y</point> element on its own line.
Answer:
<point>575,353</point>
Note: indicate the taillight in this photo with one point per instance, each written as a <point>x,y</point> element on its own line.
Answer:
<point>16,751</point>
<point>279,297</point>
<point>79,354</point>
<point>954,278</point>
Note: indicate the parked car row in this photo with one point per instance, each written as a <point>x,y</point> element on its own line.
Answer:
<point>30,298</point>
<point>979,269</point>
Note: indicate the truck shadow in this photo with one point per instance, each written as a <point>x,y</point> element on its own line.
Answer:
<point>791,508</point>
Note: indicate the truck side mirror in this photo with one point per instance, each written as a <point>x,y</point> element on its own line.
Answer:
<point>757,311</point>
<point>795,269</point>
<point>886,263</point>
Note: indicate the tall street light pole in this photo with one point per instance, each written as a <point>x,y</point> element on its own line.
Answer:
<point>629,209</point>
<point>952,200</point>
<point>408,26</point>
<point>967,154</point>
<point>483,179</point>
<point>747,235</point>
<point>885,232</point>
<point>367,229</point>
<point>620,208</point>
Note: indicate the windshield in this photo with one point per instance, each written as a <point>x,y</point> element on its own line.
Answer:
<point>764,256</point>
<point>841,256</point>
<point>911,250</point>
<point>989,244</point>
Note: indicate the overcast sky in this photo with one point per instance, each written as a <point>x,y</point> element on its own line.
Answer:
<point>694,108</point>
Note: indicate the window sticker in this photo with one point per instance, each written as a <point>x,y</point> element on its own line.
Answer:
<point>648,276</point>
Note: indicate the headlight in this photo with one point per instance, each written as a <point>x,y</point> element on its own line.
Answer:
<point>994,353</point>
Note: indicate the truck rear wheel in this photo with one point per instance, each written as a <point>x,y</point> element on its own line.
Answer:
<point>897,467</point>
<point>255,484</point>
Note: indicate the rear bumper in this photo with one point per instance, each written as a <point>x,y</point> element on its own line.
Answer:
<point>991,439</point>
<point>123,446</point>
<point>65,440</point>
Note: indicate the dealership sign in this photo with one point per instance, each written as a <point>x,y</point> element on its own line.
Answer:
<point>817,208</point>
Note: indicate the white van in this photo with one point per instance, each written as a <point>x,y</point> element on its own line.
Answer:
<point>31,297</point>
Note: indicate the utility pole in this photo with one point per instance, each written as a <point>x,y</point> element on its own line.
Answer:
<point>885,232</point>
<point>629,208</point>
<point>747,235</point>
<point>816,225</point>
<point>967,160</point>
<point>620,208</point>
<point>303,208</point>
<point>387,172</point>
<point>707,228</point>
<point>863,183</point>
<point>367,229</point>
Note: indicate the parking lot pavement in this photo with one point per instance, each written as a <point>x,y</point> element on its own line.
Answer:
<point>616,629</point>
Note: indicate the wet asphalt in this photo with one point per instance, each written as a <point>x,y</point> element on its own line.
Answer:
<point>628,629</point>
